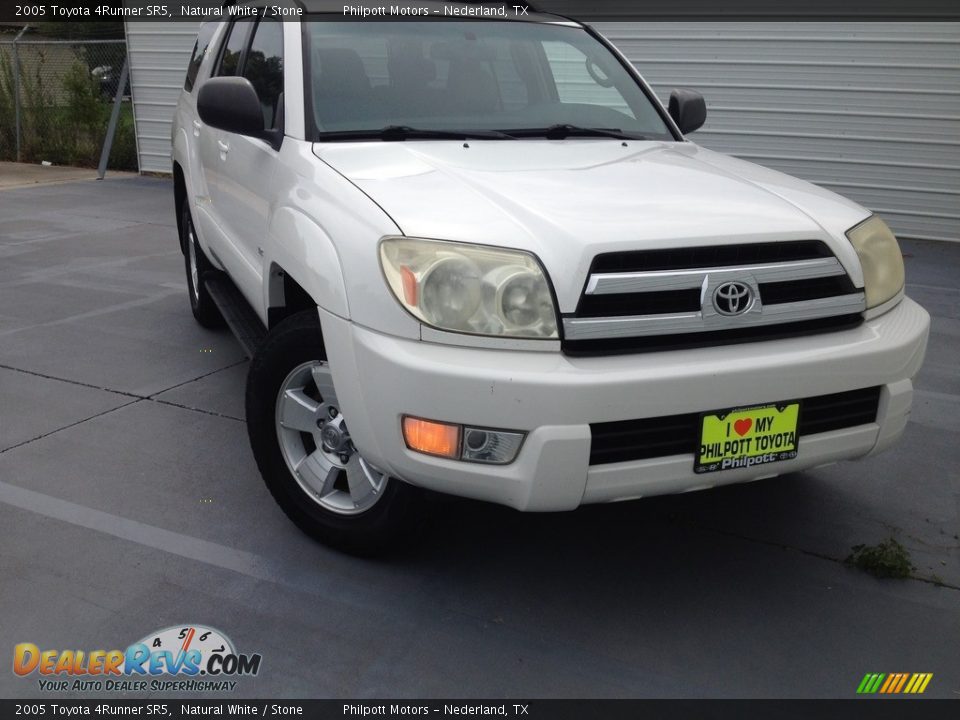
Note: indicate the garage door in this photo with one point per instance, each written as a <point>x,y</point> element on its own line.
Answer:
<point>159,53</point>
<point>870,110</point>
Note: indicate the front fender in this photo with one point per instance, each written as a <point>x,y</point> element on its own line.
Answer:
<point>307,254</point>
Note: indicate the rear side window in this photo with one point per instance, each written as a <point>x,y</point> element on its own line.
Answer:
<point>233,49</point>
<point>199,52</point>
<point>264,68</point>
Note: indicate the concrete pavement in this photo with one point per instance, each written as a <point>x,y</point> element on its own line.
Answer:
<point>129,501</point>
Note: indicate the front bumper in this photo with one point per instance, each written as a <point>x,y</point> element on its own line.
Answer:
<point>555,398</point>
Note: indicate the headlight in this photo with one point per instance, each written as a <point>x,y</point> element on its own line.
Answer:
<point>470,288</point>
<point>880,259</point>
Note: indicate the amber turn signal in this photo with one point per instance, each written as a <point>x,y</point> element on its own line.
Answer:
<point>432,438</point>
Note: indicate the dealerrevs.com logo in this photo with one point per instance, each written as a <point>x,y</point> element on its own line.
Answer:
<point>181,658</point>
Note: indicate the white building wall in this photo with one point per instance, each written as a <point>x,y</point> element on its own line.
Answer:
<point>159,53</point>
<point>868,109</point>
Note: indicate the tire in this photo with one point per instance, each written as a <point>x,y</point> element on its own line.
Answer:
<point>293,421</point>
<point>197,265</point>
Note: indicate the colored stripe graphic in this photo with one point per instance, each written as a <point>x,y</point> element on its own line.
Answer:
<point>894,683</point>
<point>870,683</point>
<point>891,680</point>
<point>918,683</point>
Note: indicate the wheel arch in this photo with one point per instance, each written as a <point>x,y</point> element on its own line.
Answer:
<point>285,296</point>
<point>179,198</point>
<point>305,270</point>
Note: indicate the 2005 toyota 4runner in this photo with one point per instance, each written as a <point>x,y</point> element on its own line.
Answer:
<point>479,257</point>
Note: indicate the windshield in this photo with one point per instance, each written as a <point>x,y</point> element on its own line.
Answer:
<point>456,77</point>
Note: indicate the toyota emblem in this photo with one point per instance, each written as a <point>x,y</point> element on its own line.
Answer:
<point>733,298</point>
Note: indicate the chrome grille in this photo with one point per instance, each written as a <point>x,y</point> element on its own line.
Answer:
<point>647,295</point>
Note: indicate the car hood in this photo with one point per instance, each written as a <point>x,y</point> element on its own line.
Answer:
<point>569,200</point>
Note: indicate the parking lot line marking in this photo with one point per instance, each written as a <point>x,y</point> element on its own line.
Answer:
<point>139,302</point>
<point>51,273</point>
<point>334,587</point>
<point>936,288</point>
<point>151,536</point>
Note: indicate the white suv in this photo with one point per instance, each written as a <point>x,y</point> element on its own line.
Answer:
<point>479,257</point>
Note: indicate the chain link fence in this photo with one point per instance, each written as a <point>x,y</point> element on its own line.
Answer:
<point>56,98</point>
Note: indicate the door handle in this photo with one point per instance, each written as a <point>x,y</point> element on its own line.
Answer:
<point>224,149</point>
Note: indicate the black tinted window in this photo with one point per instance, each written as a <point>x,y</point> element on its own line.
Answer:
<point>230,60</point>
<point>199,52</point>
<point>264,68</point>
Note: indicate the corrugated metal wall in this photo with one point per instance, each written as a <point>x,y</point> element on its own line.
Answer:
<point>870,110</point>
<point>159,53</point>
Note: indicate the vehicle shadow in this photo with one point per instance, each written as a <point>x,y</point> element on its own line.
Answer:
<point>455,525</point>
<point>662,583</point>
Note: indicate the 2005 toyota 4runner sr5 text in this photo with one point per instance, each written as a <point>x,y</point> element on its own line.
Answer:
<point>479,257</point>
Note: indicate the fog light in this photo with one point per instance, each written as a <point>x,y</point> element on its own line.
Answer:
<point>497,447</point>
<point>477,445</point>
<point>432,438</point>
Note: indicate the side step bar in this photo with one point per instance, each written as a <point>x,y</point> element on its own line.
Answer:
<point>239,316</point>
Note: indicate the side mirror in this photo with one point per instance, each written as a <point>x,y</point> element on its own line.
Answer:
<point>231,104</point>
<point>688,110</point>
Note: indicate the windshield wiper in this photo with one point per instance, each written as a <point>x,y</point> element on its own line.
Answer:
<point>406,132</point>
<point>565,130</point>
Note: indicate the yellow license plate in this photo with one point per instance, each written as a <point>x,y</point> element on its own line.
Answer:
<point>746,437</point>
